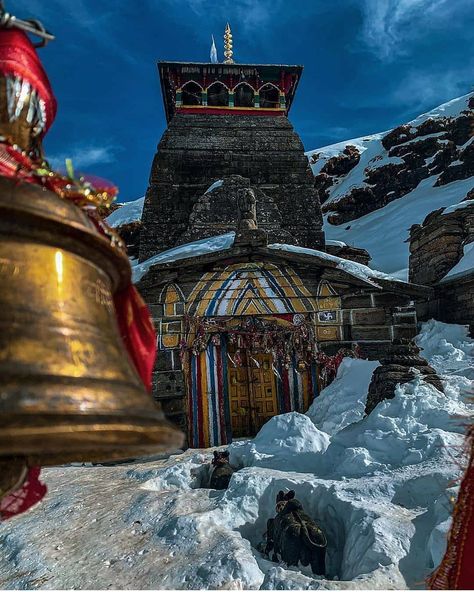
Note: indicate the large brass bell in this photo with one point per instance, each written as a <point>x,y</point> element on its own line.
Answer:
<point>68,390</point>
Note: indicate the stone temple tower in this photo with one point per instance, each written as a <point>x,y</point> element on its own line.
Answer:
<point>228,119</point>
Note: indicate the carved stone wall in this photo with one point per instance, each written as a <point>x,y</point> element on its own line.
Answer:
<point>195,150</point>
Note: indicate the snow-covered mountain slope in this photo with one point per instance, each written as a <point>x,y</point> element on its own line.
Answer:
<point>380,486</point>
<point>375,187</point>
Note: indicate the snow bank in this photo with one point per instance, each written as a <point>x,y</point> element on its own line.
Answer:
<point>130,211</point>
<point>287,442</point>
<point>380,487</point>
<point>343,401</point>
<point>448,348</point>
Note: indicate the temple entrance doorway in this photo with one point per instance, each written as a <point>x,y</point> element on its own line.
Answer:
<point>252,394</point>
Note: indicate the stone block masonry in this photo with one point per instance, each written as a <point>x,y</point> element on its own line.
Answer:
<point>197,150</point>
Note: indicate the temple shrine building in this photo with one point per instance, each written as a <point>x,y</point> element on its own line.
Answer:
<point>253,310</point>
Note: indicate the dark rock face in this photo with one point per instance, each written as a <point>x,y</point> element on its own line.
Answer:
<point>216,212</point>
<point>438,146</point>
<point>436,246</point>
<point>402,364</point>
<point>196,150</point>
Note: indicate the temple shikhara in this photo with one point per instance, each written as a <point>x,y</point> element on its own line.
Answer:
<point>254,310</point>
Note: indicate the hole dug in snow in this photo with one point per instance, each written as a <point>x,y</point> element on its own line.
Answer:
<point>354,531</point>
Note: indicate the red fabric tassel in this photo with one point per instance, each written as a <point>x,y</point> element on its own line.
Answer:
<point>456,571</point>
<point>18,57</point>
<point>137,331</point>
<point>29,494</point>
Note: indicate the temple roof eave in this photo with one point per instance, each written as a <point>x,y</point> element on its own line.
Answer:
<point>323,261</point>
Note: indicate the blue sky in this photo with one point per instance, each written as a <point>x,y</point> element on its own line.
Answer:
<point>369,65</point>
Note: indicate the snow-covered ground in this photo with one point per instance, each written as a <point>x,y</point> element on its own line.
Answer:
<point>381,486</point>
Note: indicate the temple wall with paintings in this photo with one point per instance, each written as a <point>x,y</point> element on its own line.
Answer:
<point>242,341</point>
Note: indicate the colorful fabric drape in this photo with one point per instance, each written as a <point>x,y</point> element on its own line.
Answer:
<point>456,571</point>
<point>208,397</point>
<point>19,60</point>
<point>137,331</point>
<point>296,390</point>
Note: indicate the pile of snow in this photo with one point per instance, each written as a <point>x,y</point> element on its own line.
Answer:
<point>343,401</point>
<point>287,442</point>
<point>380,486</point>
<point>128,212</point>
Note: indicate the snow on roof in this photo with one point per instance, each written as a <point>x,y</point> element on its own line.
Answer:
<point>465,265</point>
<point>204,246</point>
<point>222,242</point>
<point>357,270</point>
<point>215,185</point>
<point>130,211</point>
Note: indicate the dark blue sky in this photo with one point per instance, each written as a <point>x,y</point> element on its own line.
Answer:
<point>369,65</point>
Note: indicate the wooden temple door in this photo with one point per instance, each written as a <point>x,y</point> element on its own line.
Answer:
<point>252,394</point>
<point>239,400</point>
<point>263,391</point>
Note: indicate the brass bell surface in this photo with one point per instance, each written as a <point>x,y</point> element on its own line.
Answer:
<point>68,389</point>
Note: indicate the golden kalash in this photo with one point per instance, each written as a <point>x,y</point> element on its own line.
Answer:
<point>76,342</point>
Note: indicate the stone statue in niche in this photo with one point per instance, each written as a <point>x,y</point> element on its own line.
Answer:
<point>248,232</point>
<point>247,209</point>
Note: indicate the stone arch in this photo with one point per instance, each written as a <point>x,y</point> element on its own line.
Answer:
<point>244,95</point>
<point>191,93</point>
<point>218,95</point>
<point>269,96</point>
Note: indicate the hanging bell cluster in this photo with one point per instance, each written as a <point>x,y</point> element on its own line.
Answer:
<point>68,388</point>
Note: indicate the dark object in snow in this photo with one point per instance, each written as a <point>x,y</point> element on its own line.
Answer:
<point>401,364</point>
<point>221,470</point>
<point>295,536</point>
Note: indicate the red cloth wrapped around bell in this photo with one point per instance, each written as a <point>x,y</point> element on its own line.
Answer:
<point>27,110</point>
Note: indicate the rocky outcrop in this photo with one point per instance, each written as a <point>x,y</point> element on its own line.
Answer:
<point>435,145</point>
<point>401,364</point>
<point>436,247</point>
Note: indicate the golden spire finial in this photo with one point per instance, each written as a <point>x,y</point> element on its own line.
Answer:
<point>228,53</point>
